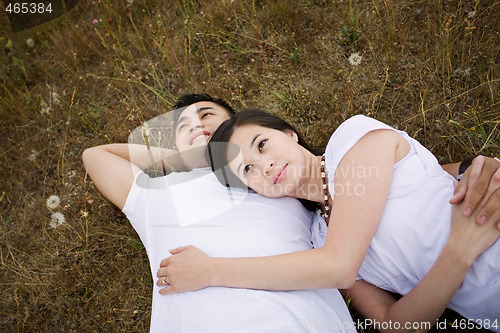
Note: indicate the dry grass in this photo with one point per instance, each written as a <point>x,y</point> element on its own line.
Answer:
<point>428,67</point>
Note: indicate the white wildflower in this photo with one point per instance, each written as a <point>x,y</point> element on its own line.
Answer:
<point>56,220</point>
<point>471,14</point>
<point>53,202</point>
<point>30,43</point>
<point>355,59</point>
<point>45,108</point>
<point>33,155</point>
<point>55,98</point>
<point>130,2</point>
<point>84,213</point>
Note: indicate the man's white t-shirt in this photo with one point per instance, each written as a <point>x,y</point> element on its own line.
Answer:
<point>193,208</point>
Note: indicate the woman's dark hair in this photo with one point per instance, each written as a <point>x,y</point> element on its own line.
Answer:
<point>220,152</point>
<point>188,99</point>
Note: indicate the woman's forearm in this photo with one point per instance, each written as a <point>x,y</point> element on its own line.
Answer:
<point>309,269</point>
<point>425,303</point>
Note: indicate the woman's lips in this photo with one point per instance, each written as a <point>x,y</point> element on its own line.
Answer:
<point>280,175</point>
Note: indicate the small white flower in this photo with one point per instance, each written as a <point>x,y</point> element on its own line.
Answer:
<point>84,213</point>
<point>53,202</point>
<point>55,98</point>
<point>56,219</point>
<point>130,2</point>
<point>45,109</point>
<point>471,14</point>
<point>33,155</point>
<point>355,59</point>
<point>30,43</point>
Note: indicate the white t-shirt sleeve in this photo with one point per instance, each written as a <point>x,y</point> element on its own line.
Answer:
<point>135,205</point>
<point>345,137</point>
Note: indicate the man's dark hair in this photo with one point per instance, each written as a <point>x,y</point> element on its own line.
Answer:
<point>188,99</point>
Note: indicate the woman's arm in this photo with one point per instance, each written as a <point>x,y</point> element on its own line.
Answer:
<point>424,304</point>
<point>333,266</point>
<point>113,167</point>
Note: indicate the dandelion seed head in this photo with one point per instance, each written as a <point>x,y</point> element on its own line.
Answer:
<point>33,155</point>
<point>56,219</point>
<point>355,59</point>
<point>45,109</point>
<point>30,43</point>
<point>53,202</point>
<point>55,98</point>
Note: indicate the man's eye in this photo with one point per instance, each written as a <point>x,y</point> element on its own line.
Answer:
<point>262,144</point>
<point>246,169</point>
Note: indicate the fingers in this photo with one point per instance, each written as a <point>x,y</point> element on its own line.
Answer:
<point>180,249</point>
<point>478,179</point>
<point>491,210</point>
<point>164,262</point>
<point>162,281</point>
<point>162,272</point>
<point>460,188</point>
<point>168,290</point>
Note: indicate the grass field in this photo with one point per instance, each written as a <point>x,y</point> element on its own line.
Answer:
<point>430,68</point>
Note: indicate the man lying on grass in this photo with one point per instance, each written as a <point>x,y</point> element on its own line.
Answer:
<point>191,207</point>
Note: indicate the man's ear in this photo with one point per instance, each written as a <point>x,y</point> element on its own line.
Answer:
<point>292,134</point>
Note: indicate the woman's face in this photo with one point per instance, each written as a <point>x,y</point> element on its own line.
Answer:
<point>271,161</point>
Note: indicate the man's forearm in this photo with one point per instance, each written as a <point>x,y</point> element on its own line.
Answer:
<point>451,168</point>
<point>153,158</point>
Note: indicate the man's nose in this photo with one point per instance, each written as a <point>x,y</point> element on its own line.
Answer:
<point>192,128</point>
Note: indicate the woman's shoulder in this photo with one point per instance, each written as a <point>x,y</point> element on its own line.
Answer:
<point>354,128</point>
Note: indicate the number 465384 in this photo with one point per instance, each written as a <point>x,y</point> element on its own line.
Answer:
<point>29,7</point>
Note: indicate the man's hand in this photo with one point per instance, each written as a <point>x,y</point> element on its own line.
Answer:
<point>469,239</point>
<point>482,177</point>
<point>187,269</point>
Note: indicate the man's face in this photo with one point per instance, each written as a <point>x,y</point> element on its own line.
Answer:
<point>195,126</point>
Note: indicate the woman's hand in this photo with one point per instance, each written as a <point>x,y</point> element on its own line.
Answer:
<point>187,269</point>
<point>482,177</point>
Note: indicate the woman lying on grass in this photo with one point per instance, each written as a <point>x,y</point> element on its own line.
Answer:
<point>386,201</point>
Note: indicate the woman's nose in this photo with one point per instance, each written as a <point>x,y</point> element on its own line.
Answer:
<point>268,168</point>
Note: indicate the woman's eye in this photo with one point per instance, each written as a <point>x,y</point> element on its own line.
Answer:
<point>262,144</point>
<point>181,127</point>
<point>205,114</point>
<point>246,169</point>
